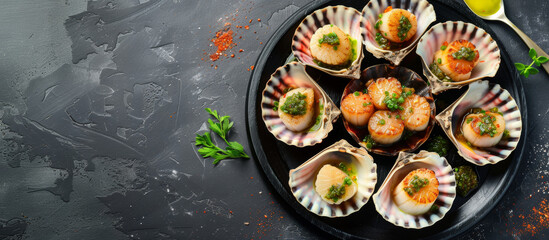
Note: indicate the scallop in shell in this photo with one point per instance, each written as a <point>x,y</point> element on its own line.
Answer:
<point>384,199</point>
<point>293,75</point>
<point>302,179</point>
<point>483,95</point>
<point>425,15</point>
<point>345,18</point>
<point>411,139</point>
<point>489,54</point>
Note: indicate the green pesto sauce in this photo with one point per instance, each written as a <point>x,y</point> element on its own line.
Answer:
<point>352,58</point>
<point>438,73</point>
<point>404,27</point>
<point>295,104</point>
<point>416,184</point>
<point>439,145</point>
<point>465,53</point>
<point>330,38</point>
<point>466,179</point>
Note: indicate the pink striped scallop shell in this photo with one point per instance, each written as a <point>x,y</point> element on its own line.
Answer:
<point>489,59</point>
<point>294,75</point>
<point>485,95</point>
<point>303,177</point>
<point>347,19</point>
<point>405,163</point>
<point>425,15</point>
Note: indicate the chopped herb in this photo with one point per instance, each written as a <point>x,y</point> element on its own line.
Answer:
<point>397,116</point>
<point>365,91</point>
<point>295,104</point>
<point>443,47</point>
<point>465,53</point>
<point>403,27</point>
<point>275,107</point>
<point>382,42</point>
<point>330,38</point>
<point>366,104</point>
<point>347,181</point>
<point>439,73</point>
<point>369,141</point>
<point>416,184</point>
<point>356,93</point>
<point>439,61</point>
<point>381,122</point>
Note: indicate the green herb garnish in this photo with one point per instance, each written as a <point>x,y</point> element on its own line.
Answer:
<point>526,71</point>
<point>465,53</point>
<point>330,38</point>
<point>403,27</point>
<point>209,149</point>
<point>295,104</point>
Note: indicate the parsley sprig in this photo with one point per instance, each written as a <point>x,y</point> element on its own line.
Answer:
<point>529,70</point>
<point>221,127</point>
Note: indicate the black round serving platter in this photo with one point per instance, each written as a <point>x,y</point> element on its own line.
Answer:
<point>277,158</point>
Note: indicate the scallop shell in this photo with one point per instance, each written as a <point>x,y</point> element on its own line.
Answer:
<point>302,179</point>
<point>407,78</point>
<point>347,19</point>
<point>294,75</point>
<point>405,163</point>
<point>425,15</point>
<point>485,95</point>
<point>489,59</point>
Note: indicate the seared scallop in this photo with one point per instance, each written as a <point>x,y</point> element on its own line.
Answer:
<point>385,128</point>
<point>458,59</point>
<point>330,45</point>
<point>417,192</point>
<point>416,113</point>
<point>398,25</point>
<point>357,108</point>
<point>297,109</point>
<point>382,88</point>
<point>483,129</point>
<point>334,185</point>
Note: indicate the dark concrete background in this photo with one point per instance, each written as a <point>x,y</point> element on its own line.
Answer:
<point>100,102</point>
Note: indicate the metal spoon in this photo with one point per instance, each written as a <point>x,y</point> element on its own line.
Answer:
<point>500,16</point>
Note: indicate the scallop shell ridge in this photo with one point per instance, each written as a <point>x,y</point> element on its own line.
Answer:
<point>425,15</point>
<point>485,95</point>
<point>302,179</point>
<point>294,75</point>
<point>405,163</point>
<point>489,59</point>
<point>347,19</point>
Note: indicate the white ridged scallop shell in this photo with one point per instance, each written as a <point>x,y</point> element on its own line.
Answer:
<point>485,95</point>
<point>489,59</point>
<point>405,163</point>
<point>294,75</point>
<point>425,15</point>
<point>303,177</point>
<point>347,19</point>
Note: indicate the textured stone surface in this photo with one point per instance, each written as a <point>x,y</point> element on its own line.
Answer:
<point>100,102</point>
